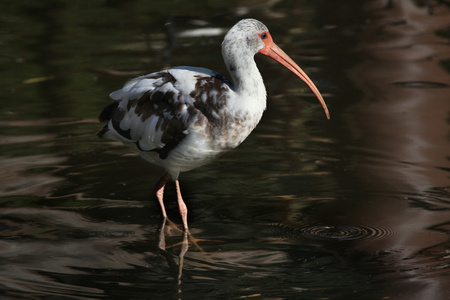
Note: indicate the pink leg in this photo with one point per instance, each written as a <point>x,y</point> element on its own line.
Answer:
<point>159,187</point>
<point>181,205</point>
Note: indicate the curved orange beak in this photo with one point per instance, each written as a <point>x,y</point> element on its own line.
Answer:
<point>275,52</point>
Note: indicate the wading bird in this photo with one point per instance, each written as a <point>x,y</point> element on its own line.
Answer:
<point>184,117</point>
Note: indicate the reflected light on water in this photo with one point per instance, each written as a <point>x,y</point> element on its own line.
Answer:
<point>403,118</point>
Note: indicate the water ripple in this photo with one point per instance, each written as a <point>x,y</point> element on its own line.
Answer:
<point>345,232</point>
<point>334,232</point>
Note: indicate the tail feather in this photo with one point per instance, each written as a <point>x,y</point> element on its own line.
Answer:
<point>108,111</point>
<point>105,116</point>
<point>102,132</point>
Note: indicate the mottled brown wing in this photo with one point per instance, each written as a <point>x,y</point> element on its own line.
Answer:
<point>151,119</point>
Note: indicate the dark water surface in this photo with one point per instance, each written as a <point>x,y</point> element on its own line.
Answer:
<point>357,207</point>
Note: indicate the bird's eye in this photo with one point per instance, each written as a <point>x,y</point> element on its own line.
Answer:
<point>264,35</point>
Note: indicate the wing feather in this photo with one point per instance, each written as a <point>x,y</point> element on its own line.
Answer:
<point>155,111</point>
<point>148,112</point>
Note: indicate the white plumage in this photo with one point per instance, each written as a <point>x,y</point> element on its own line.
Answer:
<point>184,117</point>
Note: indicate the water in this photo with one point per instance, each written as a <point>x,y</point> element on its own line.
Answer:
<point>352,208</point>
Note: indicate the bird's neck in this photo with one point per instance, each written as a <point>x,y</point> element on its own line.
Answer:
<point>245,76</point>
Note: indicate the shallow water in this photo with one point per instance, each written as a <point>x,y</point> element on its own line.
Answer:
<point>352,208</point>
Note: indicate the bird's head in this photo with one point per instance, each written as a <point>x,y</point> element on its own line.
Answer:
<point>251,37</point>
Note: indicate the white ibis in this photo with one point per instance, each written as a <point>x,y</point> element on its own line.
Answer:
<point>184,117</point>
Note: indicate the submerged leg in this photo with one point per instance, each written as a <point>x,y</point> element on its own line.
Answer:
<point>182,206</point>
<point>159,188</point>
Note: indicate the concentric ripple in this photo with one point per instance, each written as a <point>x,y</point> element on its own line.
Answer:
<point>345,232</point>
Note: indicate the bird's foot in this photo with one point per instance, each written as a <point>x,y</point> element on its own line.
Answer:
<point>169,230</point>
<point>190,240</point>
<point>172,228</point>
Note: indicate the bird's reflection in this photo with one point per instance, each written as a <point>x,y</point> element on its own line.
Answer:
<point>175,262</point>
